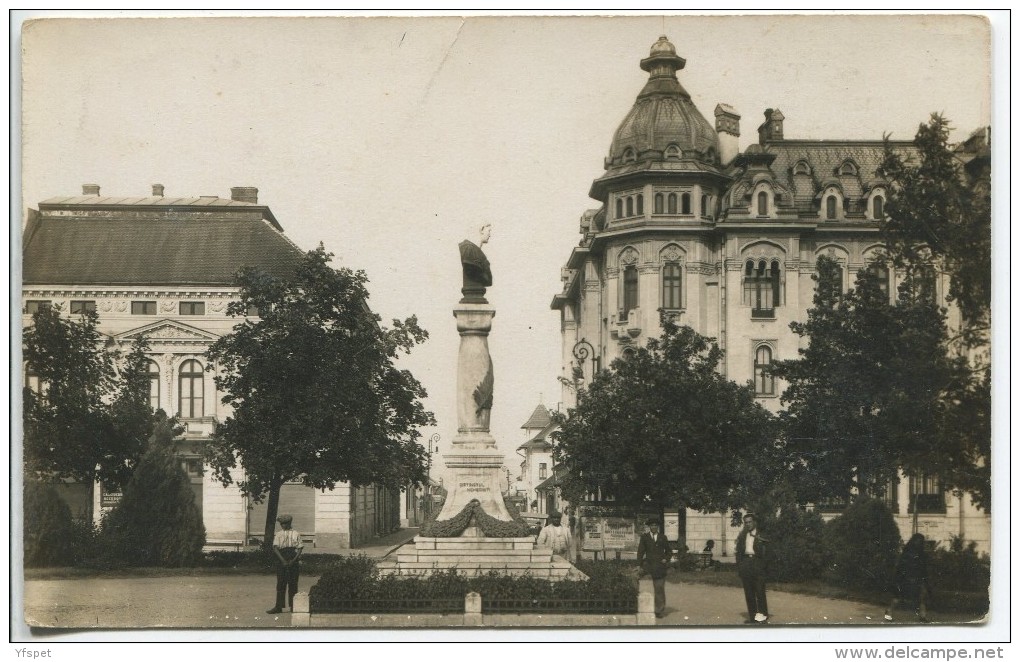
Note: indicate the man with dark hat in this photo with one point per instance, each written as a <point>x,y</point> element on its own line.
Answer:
<point>751,568</point>
<point>653,555</point>
<point>287,547</point>
<point>555,536</point>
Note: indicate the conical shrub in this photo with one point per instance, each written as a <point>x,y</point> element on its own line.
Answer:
<point>48,527</point>
<point>157,522</point>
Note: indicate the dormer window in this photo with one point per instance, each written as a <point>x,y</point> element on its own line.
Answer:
<point>673,152</point>
<point>763,203</point>
<point>848,168</point>
<point>802,168</point>
<point>830,208</point>
<point>629,156</point>
<point>878,207</point>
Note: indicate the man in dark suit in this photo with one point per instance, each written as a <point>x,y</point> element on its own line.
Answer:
<point>653,555</point>
<point>751,552</point>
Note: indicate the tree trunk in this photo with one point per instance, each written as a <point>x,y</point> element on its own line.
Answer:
<point>271,510</point>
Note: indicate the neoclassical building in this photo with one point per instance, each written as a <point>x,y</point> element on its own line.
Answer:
<point>726,241</point>
<point>163,267</point>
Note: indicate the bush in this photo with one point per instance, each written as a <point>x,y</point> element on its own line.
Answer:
<point>797,548</point>
<point>48,527</point>
<point>156,522</point>
<point>356,578</point>
<point>863,544</point>
<point>960,568</point>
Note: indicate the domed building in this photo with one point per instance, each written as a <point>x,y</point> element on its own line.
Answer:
<point>726,241</point>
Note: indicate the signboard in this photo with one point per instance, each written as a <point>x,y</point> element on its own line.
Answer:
<point>671,526</point>
<point>591,534</point>
<point>620,533</point>
<point>109,498</point>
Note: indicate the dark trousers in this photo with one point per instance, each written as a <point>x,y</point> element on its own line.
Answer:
<point>287,579</point>
<point>660,595</point>
<point>752,576</point>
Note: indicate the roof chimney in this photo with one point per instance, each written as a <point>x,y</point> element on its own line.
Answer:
<point>245,194</point>
<point>157,190</point>
<point>90,189</point>
<point>772,128</point>
<point>727,125</point>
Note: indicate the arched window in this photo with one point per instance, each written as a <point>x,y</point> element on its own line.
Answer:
<point>927,283</point>
<point>630,206</point>
<point>153,371</point>
<point>671,203</point>
<point>659,207</point>
<point>673,152</point>
<point>877,207</point>
<point>35,383</point>
<point>704,205</point>
<point>640,204</point>
<point>830,207</point>
<point>191,390</point>
<point>671,286</point>
<point>881,274</point>
<point>619,208</point>
<point>685,203</point>
<point>802,168</point>
<point>628,155</point>
<point>848,168</point>
<point>763,203</point>
<point>764,382</point>
<point>630,289</point>
<point>761,287</point>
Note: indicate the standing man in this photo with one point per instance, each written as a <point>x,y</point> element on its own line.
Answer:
<point>554,535</point>
<point>287,547</point>
<point>653,555</point>
<point>751,567</point>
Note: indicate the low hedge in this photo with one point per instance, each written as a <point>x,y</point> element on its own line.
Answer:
<point>355,579</point>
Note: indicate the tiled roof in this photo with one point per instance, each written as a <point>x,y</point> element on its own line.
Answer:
<point>539,419</point>
<point>824,158</point>
<point>168,251</point>
<point>536,444</point>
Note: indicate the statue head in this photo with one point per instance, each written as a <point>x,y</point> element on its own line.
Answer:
<point>484,233</point>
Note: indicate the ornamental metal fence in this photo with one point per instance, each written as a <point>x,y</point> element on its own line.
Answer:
<point>392,606</point>
<point>617,605</point>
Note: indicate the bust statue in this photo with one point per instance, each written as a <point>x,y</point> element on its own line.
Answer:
<point>477,275</point>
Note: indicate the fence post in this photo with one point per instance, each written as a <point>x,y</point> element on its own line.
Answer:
<point>472,609</point>
<point>645,602</point>
<point>300,617</point>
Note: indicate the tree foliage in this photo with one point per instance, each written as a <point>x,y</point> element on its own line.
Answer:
<point>49,532</point>
<point>938,216</point>
<point>665,429</point>
<point>315,393</point>
<point>864,543</point>
<point>874,390</point>
<point>156,522</point>
<point>91,418</point>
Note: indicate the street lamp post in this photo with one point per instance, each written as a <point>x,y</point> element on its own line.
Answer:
<point>433,448</point>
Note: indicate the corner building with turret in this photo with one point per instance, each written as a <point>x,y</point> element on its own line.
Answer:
<point>726,242</point>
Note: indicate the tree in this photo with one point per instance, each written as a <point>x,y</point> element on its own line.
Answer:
<point>872,391</point>
<point>316,396</point>
<point>49,531</point>
<point>84,419</point>
<point>664,428</point>
<point>938,216</point>
<point>157,522</point>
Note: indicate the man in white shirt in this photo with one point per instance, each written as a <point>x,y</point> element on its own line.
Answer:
<point>287,548</point>
<point>751,568</point>
<point>555,535</point>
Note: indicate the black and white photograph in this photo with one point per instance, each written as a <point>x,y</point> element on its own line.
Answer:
<point>624,327</point>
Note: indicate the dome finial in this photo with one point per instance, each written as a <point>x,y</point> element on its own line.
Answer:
<point>662,59</point>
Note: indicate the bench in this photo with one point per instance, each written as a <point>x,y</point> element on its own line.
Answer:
<point>214,544</point>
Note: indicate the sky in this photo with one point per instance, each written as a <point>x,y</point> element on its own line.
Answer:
<point>390,140</point>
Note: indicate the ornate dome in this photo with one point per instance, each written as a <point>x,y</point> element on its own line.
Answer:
<point>664,122</point>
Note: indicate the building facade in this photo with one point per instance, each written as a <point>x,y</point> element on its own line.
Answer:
<point>162,267</point>
<point>726,241</point>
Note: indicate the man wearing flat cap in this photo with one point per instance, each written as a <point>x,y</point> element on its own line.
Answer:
<point>287,547</point>
<point>653,555</point>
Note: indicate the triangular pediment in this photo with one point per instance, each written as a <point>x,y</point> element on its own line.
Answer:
<point>169,331</point>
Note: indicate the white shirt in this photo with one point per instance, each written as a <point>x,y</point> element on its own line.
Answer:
<point>749,543</point>
<point>556,537</point>
<point>287,538</point>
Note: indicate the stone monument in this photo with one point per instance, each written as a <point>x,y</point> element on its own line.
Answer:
<point>474,531</point>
